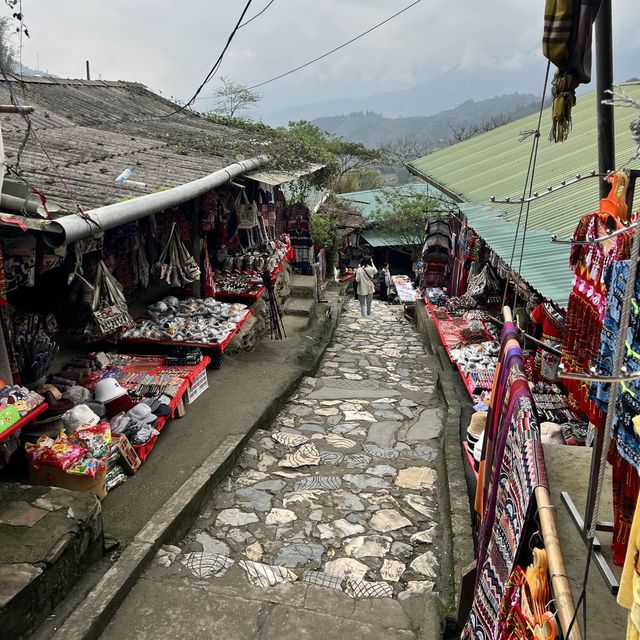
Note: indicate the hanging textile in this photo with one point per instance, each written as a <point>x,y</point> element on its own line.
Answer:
<point>552,324</point>
<point>587,305</point>
<point>567,44</point>
<point>436,252</point>
<point>513,468</point>
<point>629,592</point>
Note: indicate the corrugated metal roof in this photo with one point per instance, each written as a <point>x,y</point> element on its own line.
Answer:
<point>495,163</point>
<point>369,201</point>
<point>379,239</point>
<point>545,265</point>
<point>275,178</point>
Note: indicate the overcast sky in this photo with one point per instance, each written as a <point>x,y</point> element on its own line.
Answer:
<point>170,46</point>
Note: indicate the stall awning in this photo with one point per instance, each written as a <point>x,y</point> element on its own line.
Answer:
<point>275,178</point>
<point>379,239</point>
<point>545,265</point>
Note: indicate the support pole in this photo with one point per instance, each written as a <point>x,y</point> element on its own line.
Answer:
<point>88,72</point>
<point>604,74</point>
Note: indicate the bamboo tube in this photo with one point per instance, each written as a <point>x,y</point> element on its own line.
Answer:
<point>559,580</point>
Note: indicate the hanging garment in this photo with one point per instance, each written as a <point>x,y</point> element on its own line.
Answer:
<point>629,592</point>
<point>587,305</point>
<point>552,332</point>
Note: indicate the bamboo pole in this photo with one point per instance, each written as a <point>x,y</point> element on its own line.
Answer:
<point>559,580</point>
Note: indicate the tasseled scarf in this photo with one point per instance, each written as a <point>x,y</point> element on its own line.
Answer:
<point>567,44</point>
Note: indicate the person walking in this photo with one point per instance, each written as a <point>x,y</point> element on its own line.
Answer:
<point>384,278</point>
<point>366,286</point>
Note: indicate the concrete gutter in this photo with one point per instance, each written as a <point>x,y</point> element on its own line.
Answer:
<point>75,227</point>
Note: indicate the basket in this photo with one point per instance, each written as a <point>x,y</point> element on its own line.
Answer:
<point>197,388</point>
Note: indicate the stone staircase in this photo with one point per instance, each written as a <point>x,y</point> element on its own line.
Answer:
<point>302,296</point>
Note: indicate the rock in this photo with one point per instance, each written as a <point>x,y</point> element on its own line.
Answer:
<point>301,497</point>
<point>326,411</point>
<point>266,461</point>
<point>326,532</point>
<point>368,547</point>
<point>383,433</point>
<point>363,589</point>
<point>380,452</point>
<point>346,568</point>
<point>392,570</point>
<point>299,410</point>
<point>212,545</point>
<point>339,442</point>
<point>346,501</point>
<point>356,461</point>
<point>249,477</point>
<point>306,455</point>
<point>289,439</point>
<point>346,529</point>
<point>358,416</point>
<point>235,518</point>
<point>425,564</point>
<point>280,516</point>
<point>239,536</point>
<point>386,520</point>
<point>318,483</point>
<point>316,515</point>
<point>427,427</point>
<point>254,499</point>
<point>416,478</point>
<point>264,575</point>
<point>331,457</point>
<point>420,586</point>
<point>425,537</point>
<point>386,414</point>
<point>274,486</point>
<point>366,482</point>
<point>405,402</point>
<point>352,376</point>
<point>419,504</point>
<point>401,550</point>
<point>254,552</point>
<point>381,471</point>
<point>312,427</point>
<point>322,579</point>
<point>297,555</point>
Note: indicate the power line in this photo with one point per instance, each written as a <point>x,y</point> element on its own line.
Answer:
<point>328,53</point>
<point>216,66</point>
<point>244,24</point>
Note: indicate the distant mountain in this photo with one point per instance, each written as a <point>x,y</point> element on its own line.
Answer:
<point>373,129</point>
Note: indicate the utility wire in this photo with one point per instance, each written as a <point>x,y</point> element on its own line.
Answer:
<point>244,24</point>
<point>328,53</point>
<point>216,66</point>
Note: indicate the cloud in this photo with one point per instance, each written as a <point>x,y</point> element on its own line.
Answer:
<point>170,46</point>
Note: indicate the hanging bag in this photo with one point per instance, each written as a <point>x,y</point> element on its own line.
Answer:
<point>247,211</point>
<point>109,312</point>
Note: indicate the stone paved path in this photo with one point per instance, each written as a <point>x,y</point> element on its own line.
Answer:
<point>339,496</point>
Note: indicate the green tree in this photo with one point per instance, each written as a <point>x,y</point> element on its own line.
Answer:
<point>324,233</point>
<point>404,214</point>
<point>360,180</point>
<point>233,97</point>
<point>7,49</point>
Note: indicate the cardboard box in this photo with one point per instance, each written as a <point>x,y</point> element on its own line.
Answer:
<point>54,477</point>
<point>128,457</point>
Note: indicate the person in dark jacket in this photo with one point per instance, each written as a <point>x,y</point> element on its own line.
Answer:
<point>384,278</point>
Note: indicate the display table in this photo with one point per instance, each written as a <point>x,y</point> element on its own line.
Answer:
<point>405,289</point>
<point>216,348</point>
<point>24,421</point>
<point>230,295</point>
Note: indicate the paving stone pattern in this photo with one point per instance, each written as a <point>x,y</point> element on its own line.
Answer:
<point>340,493</point>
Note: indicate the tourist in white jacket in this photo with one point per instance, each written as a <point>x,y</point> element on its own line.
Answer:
<point>366,287</point>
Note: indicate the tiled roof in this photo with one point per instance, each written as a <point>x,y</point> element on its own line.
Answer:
<point>93,130</point>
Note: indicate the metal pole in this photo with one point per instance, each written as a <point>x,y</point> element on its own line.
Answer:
<point>604,74</point>
<point>88,72</point>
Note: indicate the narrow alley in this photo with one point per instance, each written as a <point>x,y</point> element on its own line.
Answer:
<point>328,526</point>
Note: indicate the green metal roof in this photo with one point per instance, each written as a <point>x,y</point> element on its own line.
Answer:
<point>495,163</point>
<point>369,201</point>
<point>545,265</point>
<point>379,239</point>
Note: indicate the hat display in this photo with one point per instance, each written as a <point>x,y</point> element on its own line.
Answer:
<point>142,413</point>
<point>108,389</point>
<point>119,404</point>
<point>78,416</point>
<point>77,394</point>
<point>97,407</point>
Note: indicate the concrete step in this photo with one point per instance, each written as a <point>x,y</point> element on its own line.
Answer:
<point>48,539</point>
<point>302,286</point>
<point>299,307</point>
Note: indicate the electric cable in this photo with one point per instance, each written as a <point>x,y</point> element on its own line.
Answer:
<point>216,66</point>
<point>244,24</point>
<point>328,53</point>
